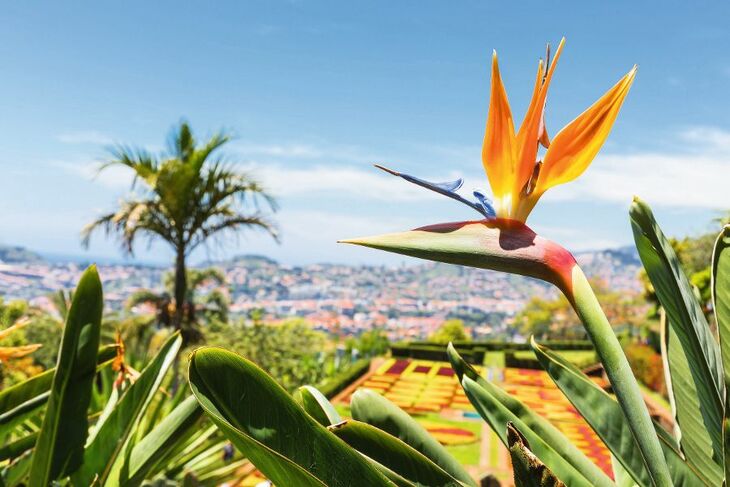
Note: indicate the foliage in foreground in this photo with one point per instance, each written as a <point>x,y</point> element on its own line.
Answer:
<point>78,425</point>
<point>293,440</point>
<point>92,420</point>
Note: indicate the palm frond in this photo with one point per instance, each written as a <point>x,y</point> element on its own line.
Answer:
<point>144,164</point>
<point>234,223</point>
<point>196,277</point>
<point>145,296</point>
<point>180,142</point>
<point>132,218</point>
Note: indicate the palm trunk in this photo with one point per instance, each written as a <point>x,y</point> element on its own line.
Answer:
<point>181,285</point>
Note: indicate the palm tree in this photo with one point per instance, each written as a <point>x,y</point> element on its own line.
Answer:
<point>189,193</point>
<point>214,305</point>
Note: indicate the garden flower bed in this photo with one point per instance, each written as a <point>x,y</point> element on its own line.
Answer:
<point>430,391</point>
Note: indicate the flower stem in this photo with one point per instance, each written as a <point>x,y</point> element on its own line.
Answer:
<point>581,296</point>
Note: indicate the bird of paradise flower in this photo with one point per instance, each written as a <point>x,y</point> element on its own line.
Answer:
<point>501,240</point>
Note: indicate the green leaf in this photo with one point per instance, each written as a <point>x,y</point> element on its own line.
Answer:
<point>16,473</point>
<point>721,293</point>
<point>60,445</point>
<point>394,454</point>
<point>190,450</point>
<point>486,402</point>
<point>23,399</point>
<point>664,334</point>
<point>267,426</point>
<point>529,471</point>
<point>372,408</point>
<point>17,447</point>
<point>721,305</point>
<point>105,454</point>
<point>508,409</point>
<point>606,418</point>
<point>700,377</point>
<point>620,475</point>
<point>693,438</point>
<point>172,429</point>
<point>318,407</point>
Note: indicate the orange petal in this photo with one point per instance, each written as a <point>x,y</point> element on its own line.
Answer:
<point>499,138</point>
<point>15,327</point>
<point>574,147</point>
<point>7,353</point>
<point>532,128</point>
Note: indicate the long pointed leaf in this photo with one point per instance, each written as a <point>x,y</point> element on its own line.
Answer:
<point>17,447</point>
<point>318,407</point>
<point>394,454</point>
<point>694,440</point>
<point>484,399</point>
<point>664,332</point>
<point>721,293</point>
<point>721,305</point>
<point>148,452</point>
<point>606,418</point>
<point>372,408</point>
<point>103,456</point>
<point>704,378</point>
<point>20,400</point>
<point>60,446</point>
<point>530,423</point>
<point>266,425</point>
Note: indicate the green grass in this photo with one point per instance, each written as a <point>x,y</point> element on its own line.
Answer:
<point>343,410</point>
<point>466,454</point>
<point>494,359</point>
<point>579,358</point>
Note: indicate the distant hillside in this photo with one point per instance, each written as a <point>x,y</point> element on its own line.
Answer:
<point>16,254</point>
<point>253,260</point>
<point>627,256</point>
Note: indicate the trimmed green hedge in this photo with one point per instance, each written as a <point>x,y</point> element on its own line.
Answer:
<point>475,352</point>
<point>501,345</point>
<point>434,352</point>
<point>337,383</point>
<point>527,359</point>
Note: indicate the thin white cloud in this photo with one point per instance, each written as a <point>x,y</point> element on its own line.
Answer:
<point>671,180</point>
<point>311,236</point>
<point>113,177</point>
<point>297,151</point>
<point>710,139</point>
<point>85,137</point>
<point>368,183</point>
<point>696,177</point>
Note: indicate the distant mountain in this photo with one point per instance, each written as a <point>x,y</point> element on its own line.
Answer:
<point>17,254</point>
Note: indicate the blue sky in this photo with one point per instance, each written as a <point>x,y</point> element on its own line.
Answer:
<point>315,92</point>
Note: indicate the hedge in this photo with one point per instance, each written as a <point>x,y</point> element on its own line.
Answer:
<point>338,382</point>
<point>527,359</point>
<point>434,352</point>
<point>501,345</point>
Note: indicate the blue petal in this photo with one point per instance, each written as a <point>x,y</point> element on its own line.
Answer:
<point>450,185</point>
<point>486,204</point>
<point>447,189</point>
